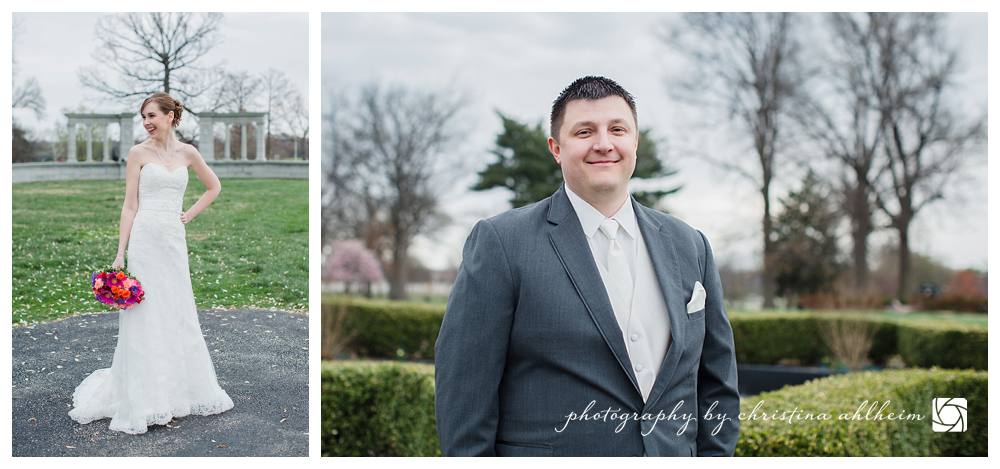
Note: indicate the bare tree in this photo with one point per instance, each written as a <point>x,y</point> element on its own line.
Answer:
<point>389,147</point>
<point>278,95</point>
<point>142,53</point>
<point>27,94</point>
<point>216,98</point>
<point>241,91</point>
<point>296,114</point>
<point>839,113</point>
<point>912,68</point>
<point>747,65</point>
<point>334,224</point>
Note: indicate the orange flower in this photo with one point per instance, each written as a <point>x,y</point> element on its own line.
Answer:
<point>120,276</point>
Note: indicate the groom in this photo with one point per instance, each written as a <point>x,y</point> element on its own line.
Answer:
<point>586,324</point>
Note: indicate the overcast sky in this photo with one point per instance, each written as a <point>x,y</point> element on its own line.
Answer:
<point>53,47</point>
<point>518,63</point>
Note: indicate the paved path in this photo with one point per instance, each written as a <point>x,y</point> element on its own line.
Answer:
<point>261,358</point>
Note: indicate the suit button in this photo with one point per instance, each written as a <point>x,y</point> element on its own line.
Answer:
<point>634,337</point>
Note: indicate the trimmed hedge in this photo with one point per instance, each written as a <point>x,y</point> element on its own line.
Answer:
<point>404,330</point>
<point>908,391</point>
<point>387,409</point>
<point>378,409</point>
<point>392,329</point>
<point>767,338</point>
<point>946,347</point>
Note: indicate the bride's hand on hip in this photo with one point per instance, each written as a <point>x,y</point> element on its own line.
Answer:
<point>185,218</point>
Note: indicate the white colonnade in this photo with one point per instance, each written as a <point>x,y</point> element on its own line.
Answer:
<point>102,123</point>
<point>207,122</point>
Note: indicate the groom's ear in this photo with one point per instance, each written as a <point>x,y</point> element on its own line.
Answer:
<point>554,149</point>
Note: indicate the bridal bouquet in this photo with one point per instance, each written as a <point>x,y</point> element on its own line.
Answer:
<point>116,288</point>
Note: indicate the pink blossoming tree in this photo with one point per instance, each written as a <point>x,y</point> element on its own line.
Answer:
<point>351,263</point>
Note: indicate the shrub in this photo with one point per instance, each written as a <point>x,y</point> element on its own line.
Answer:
<point>387,409</point>
<point>378,409</point>
<point>405,330</point>
<point>947,347</point>
<point>336,337</point>
<point>850,341</point>
<point>975,304</point>
<point>906,390</point>
<point>769,338</point>
<point>390,329</point>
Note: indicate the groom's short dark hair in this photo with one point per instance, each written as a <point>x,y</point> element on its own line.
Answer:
<point>589,87</point>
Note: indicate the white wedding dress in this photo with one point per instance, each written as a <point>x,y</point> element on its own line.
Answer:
<point>161,367</point>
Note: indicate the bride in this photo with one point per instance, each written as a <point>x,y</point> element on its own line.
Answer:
<point>161,367</point>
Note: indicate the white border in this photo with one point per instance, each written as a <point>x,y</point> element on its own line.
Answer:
<point>315,224</point>
<point>315,8</point>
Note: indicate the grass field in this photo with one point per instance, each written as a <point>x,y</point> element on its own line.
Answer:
<point>248,249</point>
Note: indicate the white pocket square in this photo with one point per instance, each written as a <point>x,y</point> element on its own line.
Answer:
<point>697,302</point>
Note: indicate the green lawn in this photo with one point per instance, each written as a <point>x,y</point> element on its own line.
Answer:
<point>248,249</point>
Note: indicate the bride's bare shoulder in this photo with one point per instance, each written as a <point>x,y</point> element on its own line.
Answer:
<point>190,152</point>
<point>138,153</point>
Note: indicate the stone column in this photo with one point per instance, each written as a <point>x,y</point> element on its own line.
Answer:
<point>243,141</point>
<point>125,135</point>
<point>90,142</point>
<point>261,138</point>
<point>107,144</point>
<point>206,138</point>
<point>295,148</point>
<point>227,148</point>
<point>71,143</point>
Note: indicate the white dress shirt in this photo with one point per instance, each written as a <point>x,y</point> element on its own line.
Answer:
<point>645,326</point>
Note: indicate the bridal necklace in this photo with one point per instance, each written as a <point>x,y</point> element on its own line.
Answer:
<point>161,156</point>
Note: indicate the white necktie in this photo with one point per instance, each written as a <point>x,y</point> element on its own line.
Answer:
<point>619,279</point>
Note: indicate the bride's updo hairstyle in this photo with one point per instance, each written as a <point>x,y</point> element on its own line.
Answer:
<point>166,104</point>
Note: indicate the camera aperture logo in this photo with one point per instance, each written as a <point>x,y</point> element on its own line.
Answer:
<point>950,414</point>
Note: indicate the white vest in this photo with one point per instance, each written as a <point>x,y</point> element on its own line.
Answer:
<point>645,326</point>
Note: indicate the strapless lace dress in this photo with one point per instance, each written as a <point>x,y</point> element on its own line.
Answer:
<point>161,367</point>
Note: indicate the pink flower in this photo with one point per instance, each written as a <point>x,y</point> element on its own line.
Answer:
<point>349,261</point>
<point>117,289</point>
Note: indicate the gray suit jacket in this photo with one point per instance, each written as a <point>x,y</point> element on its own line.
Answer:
<point>529,340</point>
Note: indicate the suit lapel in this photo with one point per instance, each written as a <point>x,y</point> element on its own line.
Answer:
<point>666,264</point>
<point>571,246</point>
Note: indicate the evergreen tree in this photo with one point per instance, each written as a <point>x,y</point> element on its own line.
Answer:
<point>525,167</point>
<point>807,258</point>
